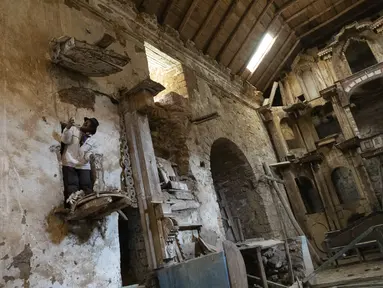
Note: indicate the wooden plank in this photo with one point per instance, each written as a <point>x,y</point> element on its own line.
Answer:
<point>235,30</point>
<point>207,20</point>
<point>268,281</point>
<point>253,27</point>
<point>261,268</point>
<point>316,15</point>
<point>187,15</point>
<point>165,14</point>
<point>283,62</point>
<point>235,265</point>
<point>332,18</point>
<point>273,92</point>
<point>286,42</point>
<point>229,12</point>
<point>300,12</point>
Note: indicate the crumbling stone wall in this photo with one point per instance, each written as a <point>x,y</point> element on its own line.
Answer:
<point>32,104</point>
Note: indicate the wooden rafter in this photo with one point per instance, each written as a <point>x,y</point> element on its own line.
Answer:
<point>300,12</point>
<point>283,62</point>
<point>359,12</point>
<point>318,14</point>
<point>286,42</point>
<point>332,18</point>
<point>229,12</point>
<point>207,20</point>
<point>165,14</point>
<point>251,31</point>
<point>187,15</point>
<point>278,34</point>
<point>235,30</point>
<point>279,12</point>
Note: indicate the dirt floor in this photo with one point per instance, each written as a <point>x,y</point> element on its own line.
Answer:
<point>352,274</point>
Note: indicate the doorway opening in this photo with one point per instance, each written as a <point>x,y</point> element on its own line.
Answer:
<point>235,184</point>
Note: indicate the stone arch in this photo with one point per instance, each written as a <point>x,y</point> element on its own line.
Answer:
<point>345,185</point>
<point>235,184</point>
<point>309,194</point>
<point>325,121</point>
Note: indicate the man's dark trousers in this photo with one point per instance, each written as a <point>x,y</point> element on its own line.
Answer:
<point>75,180</point>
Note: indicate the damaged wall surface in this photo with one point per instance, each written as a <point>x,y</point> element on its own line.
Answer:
<point>35,97</point>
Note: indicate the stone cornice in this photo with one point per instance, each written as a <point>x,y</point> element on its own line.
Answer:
<point>145,27</point>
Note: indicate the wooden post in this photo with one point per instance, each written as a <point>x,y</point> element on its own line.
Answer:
<point>134,104</point>
<point>261,267</point>
<point>290,214</point>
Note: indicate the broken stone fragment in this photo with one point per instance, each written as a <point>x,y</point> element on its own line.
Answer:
<point>87,59</point>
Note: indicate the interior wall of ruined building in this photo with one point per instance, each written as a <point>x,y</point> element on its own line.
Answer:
<point>348,184</point>
<point>37,95</point>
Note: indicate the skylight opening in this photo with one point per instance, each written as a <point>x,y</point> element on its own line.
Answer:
<point>262,49</point>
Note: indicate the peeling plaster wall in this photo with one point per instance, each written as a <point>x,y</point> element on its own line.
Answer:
<point>30,115</point>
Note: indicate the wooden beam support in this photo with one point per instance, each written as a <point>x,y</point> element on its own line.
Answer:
<point>229,12</point>
<point>187,16</point>
<point>318,15</point>
<point>235,30</point>
<point>283,62</point>
<point>286,42</point>
<point>275,18</point>
<point>300,12</point>
<point>207,20</point>
<point>250,32</point>
<point>165,14</point>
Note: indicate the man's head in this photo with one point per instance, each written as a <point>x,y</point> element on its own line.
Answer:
<point>90,125</point>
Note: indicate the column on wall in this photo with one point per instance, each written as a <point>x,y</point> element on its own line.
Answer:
<point>319,172</point>
<point>134,104</point>
<point>306,128</point>
<point>340,113</point>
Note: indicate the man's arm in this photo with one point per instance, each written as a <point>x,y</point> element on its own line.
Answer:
<point>66,136</point>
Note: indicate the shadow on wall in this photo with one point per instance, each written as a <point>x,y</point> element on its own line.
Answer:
<point>236,187</point>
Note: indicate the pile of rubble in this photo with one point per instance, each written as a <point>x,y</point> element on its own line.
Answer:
<point>275,262</point>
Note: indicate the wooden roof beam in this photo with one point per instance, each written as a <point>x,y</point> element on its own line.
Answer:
<point>229,12</point>
<point>251,31</point>
<point>300,12</point>
<point>332,18</point>
<point>207,20</point>
<point>318,15</point>
<point>235,30</point>
<point>279,12</point>
<point>280,66</point>
<point>165,14</point>
<point>187,15</point>
<point>278,34</point>
<point>286,42</point>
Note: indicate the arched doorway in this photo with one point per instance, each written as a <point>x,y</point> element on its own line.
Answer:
<point>235,185</point>
<point>345,185</point>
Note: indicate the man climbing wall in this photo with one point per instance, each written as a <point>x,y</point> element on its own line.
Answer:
<point>79,146</point>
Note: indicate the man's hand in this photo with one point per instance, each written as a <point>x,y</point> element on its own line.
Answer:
<point>70,123</point>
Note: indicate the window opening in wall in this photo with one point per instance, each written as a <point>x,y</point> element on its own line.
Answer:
<point>359,55</point>
<point>261,51</point>
<point>289,134</point>
<point>277,101</point>
<point>302,98</point>
<point>345,185</point>
<point>309,195</point>
<point>325,121</point>
<point>367,106</point>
